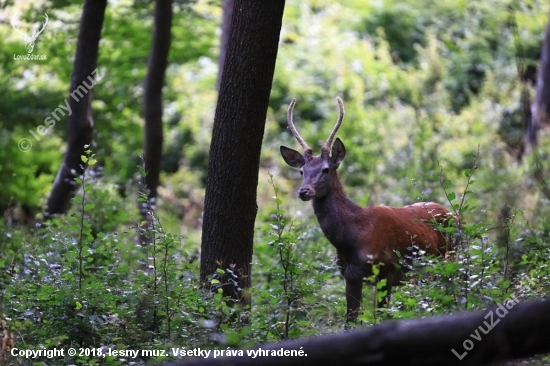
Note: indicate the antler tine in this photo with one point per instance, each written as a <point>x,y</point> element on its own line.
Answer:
<point>37,32</point>
<point>290,120</point>
<point>328,144</point>
<point>46,19</point>
<point>13,19</point>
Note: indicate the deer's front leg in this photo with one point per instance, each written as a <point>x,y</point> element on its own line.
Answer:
<point>353,299</point>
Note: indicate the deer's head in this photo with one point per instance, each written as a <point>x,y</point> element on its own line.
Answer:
<point>318,172</point>
<point>29,40</point>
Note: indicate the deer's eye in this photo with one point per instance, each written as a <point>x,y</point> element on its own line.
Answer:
<point>325,171</point>
<point>301,172</point>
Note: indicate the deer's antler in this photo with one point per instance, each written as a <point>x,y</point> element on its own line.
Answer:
<point>13,20</point>
<point>328,144</point>
<point>290,120</point>
<point>36,33</point>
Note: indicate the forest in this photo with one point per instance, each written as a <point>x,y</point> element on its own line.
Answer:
<point>146,204</point>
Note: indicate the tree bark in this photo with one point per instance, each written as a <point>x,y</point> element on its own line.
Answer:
<point>540,109</point>
<point>80,123</point>
<point>230,202</point>
<point>522,332</point>
<point>227,6</point>
<point>152,106</point>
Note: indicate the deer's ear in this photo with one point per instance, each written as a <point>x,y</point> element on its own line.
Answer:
<point>338,151</point>
<point>292,157</point>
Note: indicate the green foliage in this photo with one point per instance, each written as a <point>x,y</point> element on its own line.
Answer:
<point>477,272</point>
<point>282,305</point>
<point>32,91</point>
<point>81,287</point>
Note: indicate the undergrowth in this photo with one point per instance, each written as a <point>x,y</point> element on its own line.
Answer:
<point>77,282</point>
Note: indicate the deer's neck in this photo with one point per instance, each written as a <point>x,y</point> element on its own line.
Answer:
<point>337,214</point>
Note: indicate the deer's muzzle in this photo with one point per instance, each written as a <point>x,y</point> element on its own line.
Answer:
<point>306,193</point>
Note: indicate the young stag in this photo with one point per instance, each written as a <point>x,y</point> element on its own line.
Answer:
<point>362,236</point>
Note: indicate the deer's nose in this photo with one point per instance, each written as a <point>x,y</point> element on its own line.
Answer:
<point>306,193</point>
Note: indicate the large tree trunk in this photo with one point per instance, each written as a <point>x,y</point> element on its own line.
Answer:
<point>227,6</point>
<point>80,122</point>
<point>152,107</point>
<point>522,331</point>
<point>230,203</point>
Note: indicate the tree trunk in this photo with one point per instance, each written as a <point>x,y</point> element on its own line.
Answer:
<point>540,109</point>
<point>230,203</point>
<point>228,6</point>
<point>80,122</point>
<point>517,332</point>
<point>152,107</point>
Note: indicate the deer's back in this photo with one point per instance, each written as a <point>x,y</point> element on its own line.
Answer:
<point>399,228</point>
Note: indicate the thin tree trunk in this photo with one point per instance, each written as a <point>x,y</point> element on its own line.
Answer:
<point>540,109</point>
<point>152,107</point>
<point>80,122</point>
<point>230,203</point>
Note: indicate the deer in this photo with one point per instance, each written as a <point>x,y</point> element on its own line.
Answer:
<point>363,236</point>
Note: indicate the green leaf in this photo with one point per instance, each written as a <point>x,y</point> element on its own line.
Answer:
<point>89,206</point>
<point>142,171</point>
<point>77,199</point>
<point>214,281</point>
<point>78,306</point>
<point>447,184</point>
<point>451,196</point>
<point>467,172</point>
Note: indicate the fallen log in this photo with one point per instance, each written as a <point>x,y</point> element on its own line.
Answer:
<point>507,331</point>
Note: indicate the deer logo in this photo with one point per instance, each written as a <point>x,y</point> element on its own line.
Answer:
<point>29,40</point>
